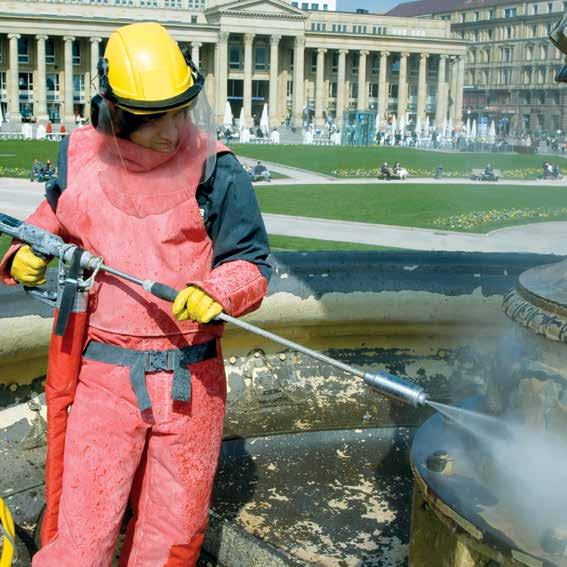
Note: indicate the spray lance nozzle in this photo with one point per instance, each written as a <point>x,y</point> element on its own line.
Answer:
<point>398,388</point>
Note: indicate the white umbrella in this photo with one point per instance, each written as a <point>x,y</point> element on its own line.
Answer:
<point>394,124</point>
<point>473,129</point>
<point>1,115</point>
<point>444,128</point>
<point>242,127</point>
<point>227,115</point>
<point>492,132</point>
<point>427,124</point>
<point>402,126</point>
<point>468,128</point>
<point>265,121</point>
<point>418,127</point>
<point>377,122</point>
<point>450,128</point>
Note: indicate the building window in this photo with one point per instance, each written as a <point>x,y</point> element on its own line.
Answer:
<point>534,9</point>
<point>490,34</point>
<point>529,53</point>
<point>375,64</point>
<point>3,86</point>
<point>355,62</point>
<point>373,90</point>
<point>543,52</point>
<point>260,58</point>
<point>172,4</point>
<point>234,57</point>
<point>492,14</point>
<point>50,51</point>
<point>315,7</point>
<point>193,19</point>
<point>379,30</point>
<point>76,52</point>
<point>325,7</point>
<point>318,26</point>
<point>476,16</point>
<point>509,32</point>
<point>295,4</point>
<point>196,4</point>
<point>358,29</point>
<point>446,18</point>
<point>52,86</point>
<point>549,27</point>
<point>23,50</point>
<point>335,61</point>
<point>506,54</point>
<point>78,88</point>
<point>354,90</point>
<point>123,2</point>
<point>534,30</point>
<point>333,89</point>
<point>476,35</point>
<point>510,12</point>
<point>304,6</point>
<point>549,7</point>
<point>313,60</point>
<point>463,18</point>
<point>149,3</point>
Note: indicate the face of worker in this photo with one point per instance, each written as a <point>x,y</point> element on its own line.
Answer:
<point>162,134</point>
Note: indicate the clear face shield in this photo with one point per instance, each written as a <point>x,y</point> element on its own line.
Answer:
<point>151,163</point>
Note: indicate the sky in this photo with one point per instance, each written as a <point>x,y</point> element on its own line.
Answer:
<point>372,6</point>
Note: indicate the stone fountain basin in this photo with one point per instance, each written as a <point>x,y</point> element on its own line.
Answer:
<point>315,466</point>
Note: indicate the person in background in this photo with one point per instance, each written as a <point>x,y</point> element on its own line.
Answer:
<point>260,172</point>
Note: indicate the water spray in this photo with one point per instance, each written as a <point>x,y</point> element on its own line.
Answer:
<point>47,244</point>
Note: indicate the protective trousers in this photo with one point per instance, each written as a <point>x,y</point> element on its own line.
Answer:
<point>168,466</point>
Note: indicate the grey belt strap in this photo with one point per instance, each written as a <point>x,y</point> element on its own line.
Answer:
<point>142,362</point>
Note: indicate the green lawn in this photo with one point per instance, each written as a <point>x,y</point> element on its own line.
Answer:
<point>16,156</point>
<point>428,206</point>
<point>281,243</point>
<point>353,161</point>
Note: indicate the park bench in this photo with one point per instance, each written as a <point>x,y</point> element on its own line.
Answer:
<point>478,175</point>
<point>394,175</point>
<point>322,142</point>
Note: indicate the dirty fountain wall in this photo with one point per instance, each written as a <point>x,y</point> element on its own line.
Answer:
<point>433,317</point>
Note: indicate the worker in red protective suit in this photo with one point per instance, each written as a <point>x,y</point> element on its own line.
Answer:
<point>148,188</point>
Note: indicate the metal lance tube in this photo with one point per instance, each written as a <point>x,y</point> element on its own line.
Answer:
<point>48,244</point>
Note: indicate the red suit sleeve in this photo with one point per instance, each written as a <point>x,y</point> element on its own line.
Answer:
<point>43,217</point>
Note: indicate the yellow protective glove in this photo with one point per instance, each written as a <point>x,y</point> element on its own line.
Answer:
<point>193,303</point>
<point>27,268</point>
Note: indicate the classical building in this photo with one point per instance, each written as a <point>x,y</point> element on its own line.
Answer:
<point>306,64</point>
<point>510,62</point>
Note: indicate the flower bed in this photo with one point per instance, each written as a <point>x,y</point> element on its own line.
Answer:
<point>478,218</point>
<point>14,172</point>
<point>526,173</point>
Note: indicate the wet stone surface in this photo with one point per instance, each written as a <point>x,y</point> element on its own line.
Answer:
<point>331,498</point>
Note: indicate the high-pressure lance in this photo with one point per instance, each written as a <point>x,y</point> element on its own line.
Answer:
<point>47,244</point>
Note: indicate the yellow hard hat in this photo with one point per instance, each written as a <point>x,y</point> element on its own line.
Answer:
<point>145,72</point>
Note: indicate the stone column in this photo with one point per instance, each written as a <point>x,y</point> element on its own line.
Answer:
<point>341,86</point>
<point>362,91</point>
<point>298,78</point>
<point>40,109</point>
<point>92,86</point>
<point>247,96</point>
<point>452,89</point>
<point>195,52</point>
<point>382,94</point>
<point>422,87</point>
<point>460,67</point>
<point>221,73</point>
<point>68,115</point>
<point>403,87</point>
<point>440,104</point>
<point>274,67</point>
<point>14,80</point>
<point>319,87</point>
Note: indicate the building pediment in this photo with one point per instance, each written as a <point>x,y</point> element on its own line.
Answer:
<point>267,9</point>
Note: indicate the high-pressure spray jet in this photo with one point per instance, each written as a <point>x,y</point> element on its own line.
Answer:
<point>46,244</point>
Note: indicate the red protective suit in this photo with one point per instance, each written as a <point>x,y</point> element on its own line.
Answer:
<point>166,464</point>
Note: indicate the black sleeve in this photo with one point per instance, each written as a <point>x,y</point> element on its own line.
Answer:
<point>55,186</point>
<point>232,216</point>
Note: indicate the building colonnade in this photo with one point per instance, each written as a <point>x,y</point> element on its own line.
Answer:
<point>299,74</point>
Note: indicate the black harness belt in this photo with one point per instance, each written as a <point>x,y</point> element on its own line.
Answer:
<point>142,362</point>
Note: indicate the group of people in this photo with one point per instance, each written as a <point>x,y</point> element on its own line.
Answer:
<point>42,171</point>
<point>551,171</point>
<point>395,172</point>
<point>258,172</point>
